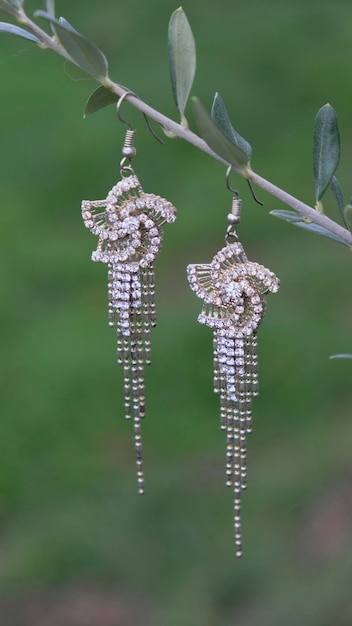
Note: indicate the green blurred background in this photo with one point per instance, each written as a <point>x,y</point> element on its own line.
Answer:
<point>77,544</point>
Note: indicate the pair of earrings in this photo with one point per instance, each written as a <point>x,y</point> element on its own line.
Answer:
<point>128,223</point>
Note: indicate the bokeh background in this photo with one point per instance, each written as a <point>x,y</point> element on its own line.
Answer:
<point>78,547</point>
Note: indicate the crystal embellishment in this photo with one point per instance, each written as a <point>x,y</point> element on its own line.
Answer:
<point>129,224</point>
<point>233,292</point>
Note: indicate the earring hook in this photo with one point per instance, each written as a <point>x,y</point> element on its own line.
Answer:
<point>128,124</point>
<point>253,194</point>
<point>228,172</point>
<point>118,107</point>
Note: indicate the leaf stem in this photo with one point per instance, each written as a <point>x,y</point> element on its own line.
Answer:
<point>180,131</point>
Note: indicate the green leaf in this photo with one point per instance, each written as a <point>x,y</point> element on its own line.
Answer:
<point>45,15</point>
<point>296,219</point>
<point>182,58</point>
<point>100,98</point>
<point>216,139</point>
<point>82,51</point>
<point>348,217</point>
<point>320,230</point>
<point>11,29</point>
<point>17,4</point>
<point>222,120</point>
<point>337,193</point>
<point>7,8</point>
<point>326,149</point>
<point>287,216</point>
<point>340,356</point>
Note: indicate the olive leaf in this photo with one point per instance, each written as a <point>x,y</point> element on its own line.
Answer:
<point>19,32</point>
<point>326,148</point>
<point>288,216</point>
<point>320,230</point>
<point>100,98</point>
<point>348,216</point>
<point>17,4</point>
<point>46,15</point>
<point>340,356</point>
<point>216,139</point>
<point>296,219</point>
<point>338,195</point>
<point>222,120</point>
<point>82,51</point>
<point>182,59</point>
<point>7,8</point>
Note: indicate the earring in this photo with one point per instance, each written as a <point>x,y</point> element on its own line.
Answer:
<point>129,226</point>
<point>233,292</point>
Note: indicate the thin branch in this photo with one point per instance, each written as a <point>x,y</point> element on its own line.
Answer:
<point>304,209</point>
<point>50,43</point>
<point>176,129</point>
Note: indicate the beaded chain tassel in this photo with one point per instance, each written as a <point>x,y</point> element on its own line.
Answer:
<point>233,292</point>
<point>129,226</point>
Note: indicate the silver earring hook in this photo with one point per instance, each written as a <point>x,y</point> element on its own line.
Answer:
<point>253,194</point>
<point>128,124</point>
<point>228,172</point>
<point>234,191</point>
<point>118,107</point>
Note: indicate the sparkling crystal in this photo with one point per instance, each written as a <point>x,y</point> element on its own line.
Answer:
<point>130,224</point>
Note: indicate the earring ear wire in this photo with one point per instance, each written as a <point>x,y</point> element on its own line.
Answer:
<point>228,172</point>
<point>146,119</point>
<point>228,185</point>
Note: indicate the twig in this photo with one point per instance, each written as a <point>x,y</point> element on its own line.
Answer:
<point>304,209</point>
<point>176,129</point>
<point>50,43</point>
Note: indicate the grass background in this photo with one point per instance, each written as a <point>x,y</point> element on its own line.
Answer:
<point>77,545</point>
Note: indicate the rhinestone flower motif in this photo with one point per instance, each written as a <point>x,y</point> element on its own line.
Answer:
<point>233,292</point>
<point>129,224</point>
<point>232,289</point>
